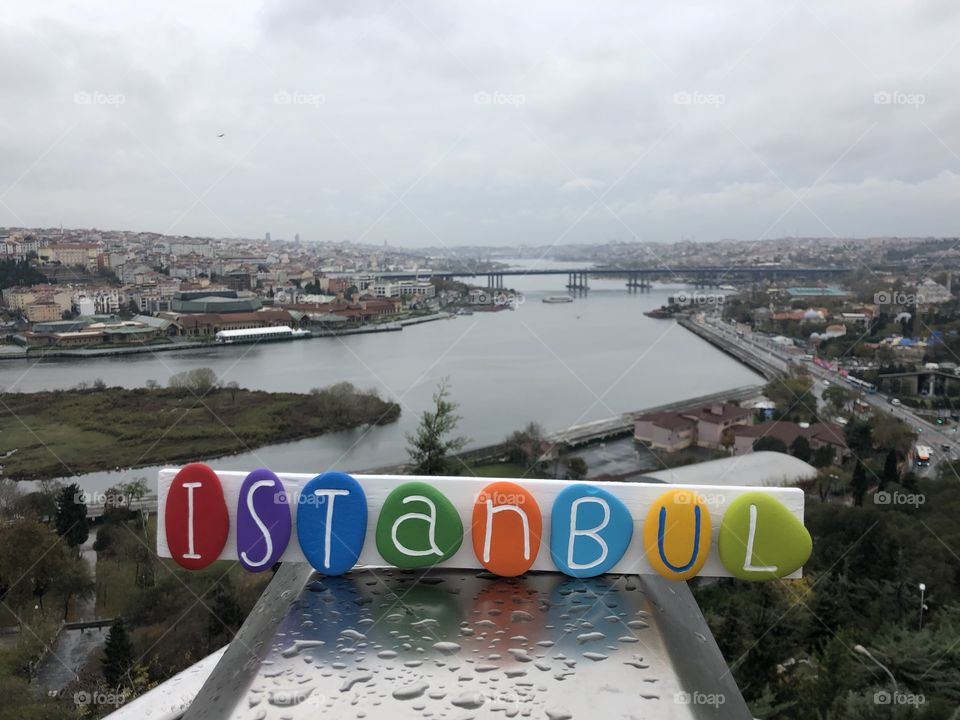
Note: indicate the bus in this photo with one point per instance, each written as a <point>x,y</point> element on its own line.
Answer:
<point>861,384</point>
<point>921,455</point>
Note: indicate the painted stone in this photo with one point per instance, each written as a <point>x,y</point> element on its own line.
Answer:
<point>676,534</point>
<point>195,517</point>
<point>506,528</point>
<point>332,522</point>
<point>418,526</point>
<point>590,530</point>
<point>760,539</point>
<point>263,521</point>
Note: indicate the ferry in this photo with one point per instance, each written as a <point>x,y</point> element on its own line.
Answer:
<point>263,334</point>
<point>558,299</point>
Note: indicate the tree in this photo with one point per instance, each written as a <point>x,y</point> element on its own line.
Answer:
<point>794,397</point>
<point>768,442</point>
<point>434,441</point>
<point>233,387</point>
<point>828,482</point>
<point>524,447</point>
<point>134,490</point>
<point>117,661</point>
<point>890,433</point>
<point>31,558</point>
<point>73,581</point>
<point>859,437</point>
<point>859,483</point>
<point>199,381</point>
<point>800,448</point>
<point>226,617</point>
<point>576,468</point>
<point>11,498</point>
<point>890,473</point>
<point>824,456</point>
<point>71,519</point>
<point>838,397</point>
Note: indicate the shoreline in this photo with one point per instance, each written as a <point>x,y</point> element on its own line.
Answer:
<point>85,353</point>
<point>759,365</point>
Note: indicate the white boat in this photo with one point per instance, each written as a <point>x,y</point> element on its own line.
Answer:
<point>558,299</point>
<point>264,334</point>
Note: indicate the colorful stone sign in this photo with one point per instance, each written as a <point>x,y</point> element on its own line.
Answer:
<point>336,521</point>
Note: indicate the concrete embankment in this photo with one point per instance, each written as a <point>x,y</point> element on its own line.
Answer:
<point>768,367</point>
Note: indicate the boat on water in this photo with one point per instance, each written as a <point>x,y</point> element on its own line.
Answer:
<point>263,334</point>
<point>558,299</point>
<point>464,311</point>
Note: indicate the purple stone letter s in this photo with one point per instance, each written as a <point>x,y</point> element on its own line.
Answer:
<point>263,520</point>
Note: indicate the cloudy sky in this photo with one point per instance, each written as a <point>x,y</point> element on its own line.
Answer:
<point>430,123</point>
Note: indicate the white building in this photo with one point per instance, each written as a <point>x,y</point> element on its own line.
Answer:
<point>414,288</point>
<point>931,292</point>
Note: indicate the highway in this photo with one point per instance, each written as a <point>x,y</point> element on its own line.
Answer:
<point>929,433</point>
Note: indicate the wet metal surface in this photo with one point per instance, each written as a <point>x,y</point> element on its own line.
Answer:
<point>455,644</point>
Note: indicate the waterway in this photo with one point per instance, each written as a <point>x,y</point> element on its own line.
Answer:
<point>556,364</point>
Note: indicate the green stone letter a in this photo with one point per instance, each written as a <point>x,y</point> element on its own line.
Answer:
<point>418,527</point>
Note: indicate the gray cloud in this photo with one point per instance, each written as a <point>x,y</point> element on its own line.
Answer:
<point>427,123</point>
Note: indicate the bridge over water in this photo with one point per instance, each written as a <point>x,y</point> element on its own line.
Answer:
<point>636,278</point>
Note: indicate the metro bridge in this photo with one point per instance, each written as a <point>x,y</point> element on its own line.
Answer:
<point>637,278</point>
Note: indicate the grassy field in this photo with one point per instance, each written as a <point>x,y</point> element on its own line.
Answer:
<point>75,431</point>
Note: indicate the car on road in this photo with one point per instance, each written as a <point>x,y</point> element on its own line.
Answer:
<point>895,402</point>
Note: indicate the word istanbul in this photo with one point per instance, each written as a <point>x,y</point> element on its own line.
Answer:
<point>590,531</point>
